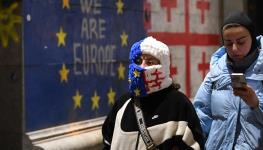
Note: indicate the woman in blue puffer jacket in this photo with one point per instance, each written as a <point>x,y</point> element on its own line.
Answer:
<point>232,118</point>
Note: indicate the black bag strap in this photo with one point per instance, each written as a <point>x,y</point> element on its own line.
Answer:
<point>142,126</point>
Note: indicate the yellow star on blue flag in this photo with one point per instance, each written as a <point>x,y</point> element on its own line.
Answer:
<point>121,72</point>
<point>95,101</point>
<point>124,39</point>
<point>111,97</point>
<point>119,5</point>
<point>65,4</point>
<point>64,73</point>
<point>61,35</point>
<point>77,100</point>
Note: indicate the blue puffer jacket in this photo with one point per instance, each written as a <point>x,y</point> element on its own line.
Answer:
<point>226,119</point>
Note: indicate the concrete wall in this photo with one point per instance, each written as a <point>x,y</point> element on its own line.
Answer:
<point>11,98</point>
<point>229,6</point>
<point>84,135</point>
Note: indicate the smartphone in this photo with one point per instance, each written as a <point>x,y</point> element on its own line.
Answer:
<point>238,80</point>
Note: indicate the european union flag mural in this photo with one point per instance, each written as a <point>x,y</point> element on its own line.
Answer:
<point>76,57</point>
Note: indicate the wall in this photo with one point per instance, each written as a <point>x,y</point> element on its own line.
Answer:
<point>233,5</point>
<point>74,62</point>
<point>80,50</point>
<point>11,98</point>
<point>69,57</point>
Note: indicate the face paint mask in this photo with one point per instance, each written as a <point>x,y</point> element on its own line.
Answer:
<point>143,81</point>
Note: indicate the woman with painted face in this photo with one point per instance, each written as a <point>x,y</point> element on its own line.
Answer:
<point>153,114</point>
<point>232,117</point>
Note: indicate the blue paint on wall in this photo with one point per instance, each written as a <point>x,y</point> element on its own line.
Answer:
<point>92,53</point>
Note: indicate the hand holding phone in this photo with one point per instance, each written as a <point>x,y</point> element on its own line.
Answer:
<point>238,80</point>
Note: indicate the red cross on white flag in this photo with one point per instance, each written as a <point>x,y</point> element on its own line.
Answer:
<point>190,28</point>
<point>168,4</point>
<point>153,79</point>
<point>203,6</point>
